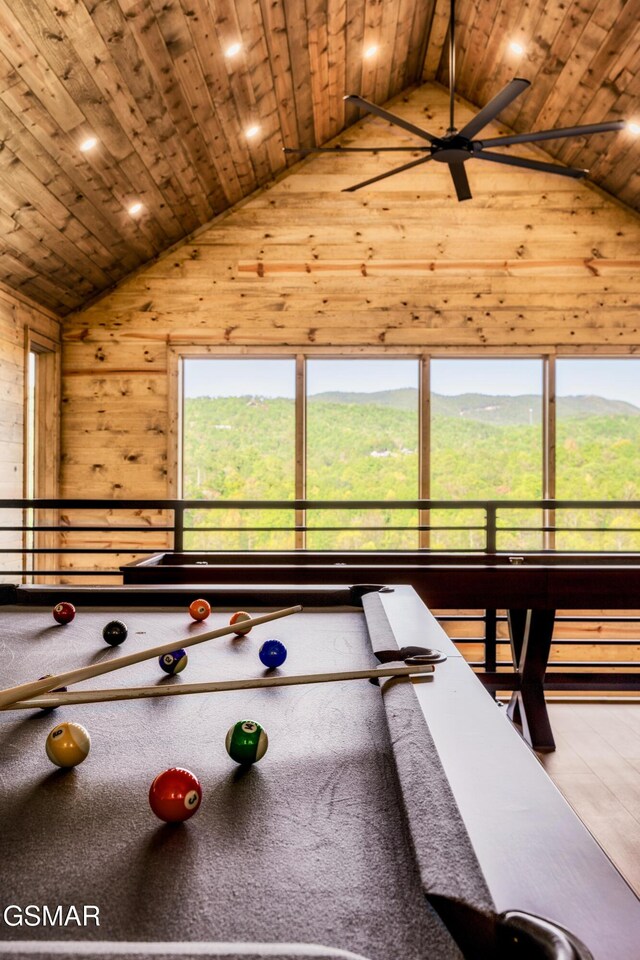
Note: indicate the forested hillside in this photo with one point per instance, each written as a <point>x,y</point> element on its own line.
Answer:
<point>364,446</point>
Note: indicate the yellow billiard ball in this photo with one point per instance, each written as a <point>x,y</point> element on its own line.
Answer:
<point>68,744</point>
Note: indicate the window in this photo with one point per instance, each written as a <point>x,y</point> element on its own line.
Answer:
<point>402,428</point>
<point>362,444</point>
<point>598,450</point>
<point>238,444</point>
<point>486,443</point>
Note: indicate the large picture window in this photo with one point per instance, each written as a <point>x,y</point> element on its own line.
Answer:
<point>598,450</point>
<point>393,427</point>
<point>486,444</point>
<point>362,444</point>
<point>238,444</point>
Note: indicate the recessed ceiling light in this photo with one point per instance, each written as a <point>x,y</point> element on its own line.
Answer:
<point>88,144</point>
<point>371,51</point>
<point>633,127</point>
<point>233,50</point>
<point>252,132</point>
<point>135,208</point>
<point>516,48</point>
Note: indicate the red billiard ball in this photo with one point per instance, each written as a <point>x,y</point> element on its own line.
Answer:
<point>64,612</point>
<point>175,795</point>
<point>200,609</point>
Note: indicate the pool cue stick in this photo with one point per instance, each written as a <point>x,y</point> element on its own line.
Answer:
<point>216,686</point>
<point>46,684</point>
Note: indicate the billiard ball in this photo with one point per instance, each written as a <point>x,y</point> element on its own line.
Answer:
<point>272,653</point>
<point>246,742</point>
<point>57,690</point>
<point>175,795</point>
<point>237,619</point>
<point>64,612</point>
<point>68,744</point>
<point>173,662</point>
<point>200,609</point>
<point>115,633</point>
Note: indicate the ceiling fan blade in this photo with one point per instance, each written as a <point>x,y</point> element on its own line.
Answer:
<point>460,181</point>
<point>391,117</point>
<point>554,134</point>
<point>531,164</point>
<point>383,176</point>
<point>495,106</point>
<point>305,150</point>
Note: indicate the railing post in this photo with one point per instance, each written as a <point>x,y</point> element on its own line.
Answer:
<point>178,528</point>
<point>491,511</point>
<point>490,643</point>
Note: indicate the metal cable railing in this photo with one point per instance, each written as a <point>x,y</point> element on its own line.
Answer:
<point>60,541</point>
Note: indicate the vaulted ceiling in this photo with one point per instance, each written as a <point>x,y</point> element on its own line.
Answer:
<point>151,80</point>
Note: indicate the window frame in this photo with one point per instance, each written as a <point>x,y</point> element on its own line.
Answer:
<point>178,352</point>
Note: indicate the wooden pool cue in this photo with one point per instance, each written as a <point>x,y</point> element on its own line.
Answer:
<point>26,690</point>
<point>216,686</point>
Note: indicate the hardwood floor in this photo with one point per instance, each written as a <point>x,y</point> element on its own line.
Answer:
<point>597,768</point>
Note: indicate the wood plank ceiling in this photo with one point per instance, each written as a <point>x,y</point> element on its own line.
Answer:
<point>151,81</point>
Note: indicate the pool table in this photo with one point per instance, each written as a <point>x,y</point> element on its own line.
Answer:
<point>531,587</point>
<point>406,820</point>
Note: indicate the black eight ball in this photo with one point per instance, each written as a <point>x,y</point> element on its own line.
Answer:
<point>115,632</point>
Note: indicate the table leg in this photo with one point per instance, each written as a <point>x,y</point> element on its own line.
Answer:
<point>531,632</point>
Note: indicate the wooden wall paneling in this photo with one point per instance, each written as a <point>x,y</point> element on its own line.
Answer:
<point>251,88</point>
<point>405,51</point>
<point>564,109</point>
<point>555,35</point>
<point>354,44</point>
<point>318,66</point>
<point>336,66</point>
<point>496,67</point>
<point>438,33</point>
<point>196,101</point>
<point>224,134</point>
<point>147,69</point>
<point>260,76</point>
<point>298,49</point>
<point>372,36</point>
<point>95,54</point>
<point>280,56</point>
<point>470,55</point>
<point>387,40</point>
<point>98,209</point>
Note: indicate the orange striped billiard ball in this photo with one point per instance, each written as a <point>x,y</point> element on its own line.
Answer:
<point>236,621</point>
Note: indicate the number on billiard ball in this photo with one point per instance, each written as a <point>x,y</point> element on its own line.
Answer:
<point>64,612</point>
<point>200,609</point>
<point>115,633</point>
<point>236,621</point>
<point>175,795</point>
<point>68,744</point>
<point>272,653</point>
<point>173,662</point>
<point>246,742</point>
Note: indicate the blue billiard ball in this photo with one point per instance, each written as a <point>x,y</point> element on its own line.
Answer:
<point>173,662</point>
<point>273,653</point>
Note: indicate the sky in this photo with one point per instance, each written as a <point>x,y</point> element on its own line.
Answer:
<point>614,379</point>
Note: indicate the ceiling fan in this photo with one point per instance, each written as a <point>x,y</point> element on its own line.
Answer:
<point>455,147</point>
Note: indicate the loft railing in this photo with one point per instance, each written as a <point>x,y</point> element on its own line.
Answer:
<point>34,532</point>
<point>88,540</point>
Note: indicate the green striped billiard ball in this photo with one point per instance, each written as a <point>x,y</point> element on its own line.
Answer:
<point>246,742</point>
